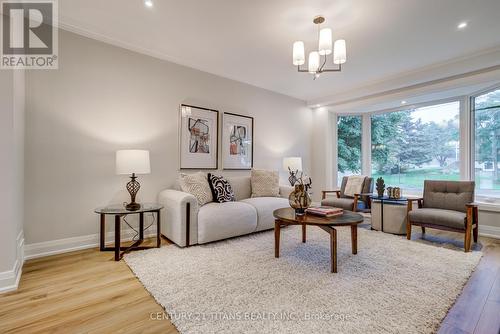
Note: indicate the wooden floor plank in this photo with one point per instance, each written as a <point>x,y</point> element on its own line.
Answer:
<point>490,319</point>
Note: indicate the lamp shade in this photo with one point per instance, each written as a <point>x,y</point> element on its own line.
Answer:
<point>313,62</point>
<point>325,41</point>
<point>132,161</point>
<point>294,163</point>
<point>339,52</point>
<point>298,53</point>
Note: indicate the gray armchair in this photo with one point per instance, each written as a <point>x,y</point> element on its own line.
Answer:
<point>447,205</point>
<point>360,202</point>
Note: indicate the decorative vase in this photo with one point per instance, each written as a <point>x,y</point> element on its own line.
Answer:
<point>299,199</point>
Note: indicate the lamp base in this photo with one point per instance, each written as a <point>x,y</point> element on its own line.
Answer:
<point>133,206</point>
<point>133,188</point>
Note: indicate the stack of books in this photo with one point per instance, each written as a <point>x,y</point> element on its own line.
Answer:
<point>324,211</point>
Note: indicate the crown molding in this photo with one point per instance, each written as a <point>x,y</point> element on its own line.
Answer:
<point>462,67</point>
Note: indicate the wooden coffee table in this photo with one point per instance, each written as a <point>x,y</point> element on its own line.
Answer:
<point>286,216</point>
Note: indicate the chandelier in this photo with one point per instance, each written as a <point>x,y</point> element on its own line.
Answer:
<point>317,59</point>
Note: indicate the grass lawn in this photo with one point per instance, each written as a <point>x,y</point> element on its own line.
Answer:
<point>414,179</point>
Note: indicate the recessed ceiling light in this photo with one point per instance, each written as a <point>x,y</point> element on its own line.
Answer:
<point>403,102</point>
<point>462,25</point>
<point>148,3</point>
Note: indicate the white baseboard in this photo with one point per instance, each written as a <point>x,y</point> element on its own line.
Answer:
<point>9,280</point>
<point>53,247</point>
<point>489,231</point>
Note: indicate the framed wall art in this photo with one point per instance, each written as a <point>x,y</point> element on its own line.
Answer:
<point>199,137</point>
<point>237,141</point>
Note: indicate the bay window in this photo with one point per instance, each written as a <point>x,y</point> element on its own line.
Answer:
<point>427,142</point>
<point>410,146</point>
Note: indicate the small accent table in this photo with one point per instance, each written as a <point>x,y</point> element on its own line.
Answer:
<point>119,211</point>
<point>286,216</point>
<point>388,200</point>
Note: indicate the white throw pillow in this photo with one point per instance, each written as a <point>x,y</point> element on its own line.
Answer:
<point>265,183</point>
<point>354,185</point>
<point>196,185</point>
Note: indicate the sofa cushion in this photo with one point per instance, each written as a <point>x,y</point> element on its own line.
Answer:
<point>241,186</point>
<point>221,188</point>
<point>354,185</point>
<point>344,203</point>
<point>265,207</point>
<point>265,183</point>
<point>197,185</point>
<point>448,218</point>
<point>218,221</point>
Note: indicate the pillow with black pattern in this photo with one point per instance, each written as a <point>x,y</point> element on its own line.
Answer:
<point>221,189</point>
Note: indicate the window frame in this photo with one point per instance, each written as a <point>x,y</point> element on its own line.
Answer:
<point>493,201</point>
<point>464,135</point>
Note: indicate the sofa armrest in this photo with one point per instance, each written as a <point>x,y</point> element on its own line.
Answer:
<point>285,191</point>
<point>180,217</point>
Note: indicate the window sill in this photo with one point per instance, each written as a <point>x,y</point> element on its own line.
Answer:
<point>491,207</point>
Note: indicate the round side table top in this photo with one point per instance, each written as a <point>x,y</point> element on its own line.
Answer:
<point>119,209</point>
<point>348,218</point>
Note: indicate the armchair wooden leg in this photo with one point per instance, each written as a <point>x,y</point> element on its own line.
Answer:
<point>475,233</point>
<point>408,230</point>
<point>467,241</point>
<point>423,230</point>
<point>468,230</point>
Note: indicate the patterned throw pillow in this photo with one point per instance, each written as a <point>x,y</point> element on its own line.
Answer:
<point>196,185</point>
<point>221,189</point>
<point>265,183</point>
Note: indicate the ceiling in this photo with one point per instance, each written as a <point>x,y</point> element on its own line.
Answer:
<point>251,41</point>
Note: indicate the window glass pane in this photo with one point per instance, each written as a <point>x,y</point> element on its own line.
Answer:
<point>487,144</point>
<point>411,146</point>
<point>349,146</point>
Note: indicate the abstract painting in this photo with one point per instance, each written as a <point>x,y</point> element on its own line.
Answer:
<point>198,137</point>
<point>199,141</point>
<point>237,141</point>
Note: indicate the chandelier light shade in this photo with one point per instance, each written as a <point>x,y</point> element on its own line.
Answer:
<point>313,62</point>
<point>317,61</point>
<point>325,41</point>
<point>339,55</point>
<point>298,53</point>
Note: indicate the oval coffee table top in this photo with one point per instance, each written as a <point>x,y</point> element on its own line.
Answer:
<point>346,219</point>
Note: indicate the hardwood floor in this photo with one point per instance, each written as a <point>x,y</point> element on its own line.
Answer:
<point>80,292</point>
<point>88,292</point>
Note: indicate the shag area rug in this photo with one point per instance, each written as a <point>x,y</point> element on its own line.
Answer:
<point>237,286</point>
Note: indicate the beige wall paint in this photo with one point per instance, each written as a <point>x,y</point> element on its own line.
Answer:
<point>11,169</point>
<point>8,236</point>
<point>104,98</point>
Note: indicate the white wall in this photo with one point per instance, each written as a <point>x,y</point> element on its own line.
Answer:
<point>11,170</point>
<point>104,98</point>
<point>322,152</point>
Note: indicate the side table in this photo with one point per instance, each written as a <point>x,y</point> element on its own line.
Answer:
<point>119,211</point>
<point>388,200</point>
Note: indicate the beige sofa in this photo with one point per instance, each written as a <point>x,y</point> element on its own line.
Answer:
<point>186,224</point>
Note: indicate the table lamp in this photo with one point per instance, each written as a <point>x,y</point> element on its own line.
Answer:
<point>132,162</point>
<point>293,165</point>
